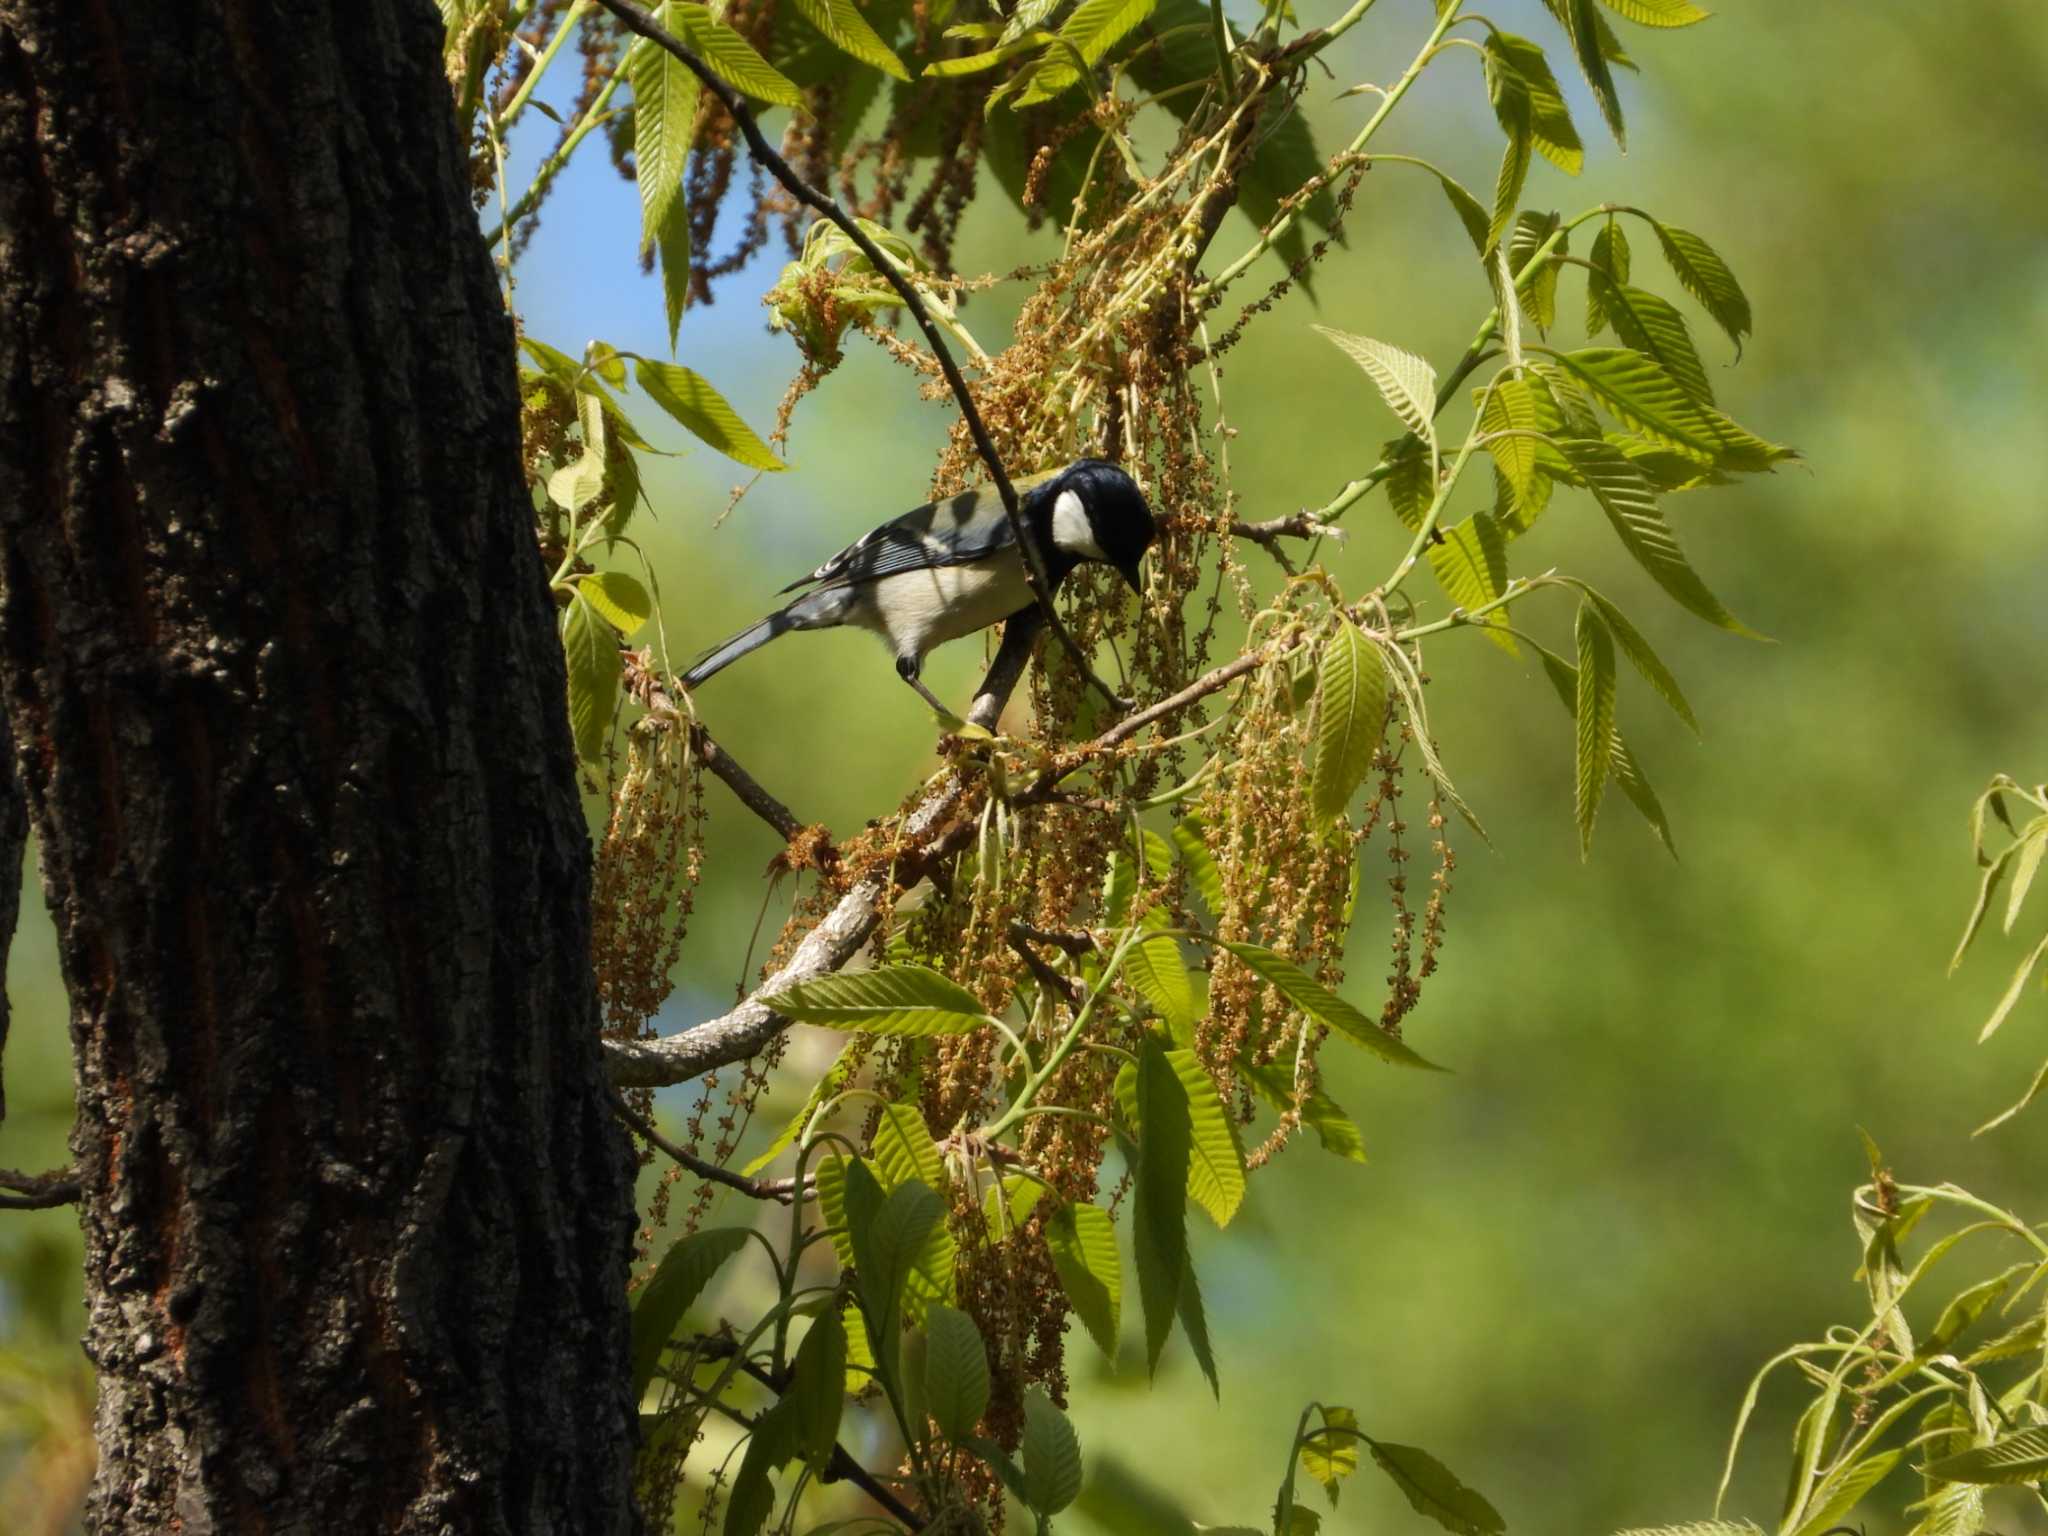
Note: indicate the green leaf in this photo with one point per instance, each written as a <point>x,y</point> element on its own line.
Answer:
<point>1593,710</point>
<point>1697,1528</point>
<point>836,1077</point>
<point>618,598</point>
<point>956,1373</point>
<point>677,1281</point>
<point>1009,1204</point>
<point>861,1369</point>
<point>1319,1112</point>
<point>1659,13</point>
<point>976,63</point>
<point>1631,506</point>
<point>1194,1322</point>
<point>1471,565</point>
<point>1654,327</point>
<point>1325,1006</point>
<point>664,112</point>
<point>1052,1456</point>
<point>1159,1213</point>
<point>817,1390</point>
<point>1644,393</point>
<point>689,398</point>
<point>1539,288</point>
<point>1434,1491</point>
<point>1987,887</point>
<point>1703,274</point>
<point>1190,839</point>
<point>904,1149</point>
<point>1637,788</point>
<point>1405,381</point>
<point>591,647</point>
<point>732,58</point>
<point>1583,24</point>
<point>1645,660</point>
<point>889,1254</point>
<point>1329,1453</point>
<point>896,1000</point>
<point>1215,1154</point>
<point>1091,31</point>
<point>1155,967</point>
<point>672,246</point>
<point>1610,259</point>
<point>2018,985</point>
<point>1507,186</point>
<point>1083,1245</point>
<point>1843,1490</point>
<point>2033,843</point>
<point>575,486</point>
<point>1351,717</point>
<point>843,25</point>
<point>752,1499</point>
<point>1409,487</point>
<point>1549,118</point>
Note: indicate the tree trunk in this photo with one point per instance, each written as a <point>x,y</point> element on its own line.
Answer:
<point>287,706</point>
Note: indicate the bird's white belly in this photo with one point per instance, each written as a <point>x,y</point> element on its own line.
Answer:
<point>917,610</point>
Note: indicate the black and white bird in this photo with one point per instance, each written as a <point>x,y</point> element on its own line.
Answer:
<point>953,567</point>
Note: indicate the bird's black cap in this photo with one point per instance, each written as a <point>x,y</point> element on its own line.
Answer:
<point>1117,513</point>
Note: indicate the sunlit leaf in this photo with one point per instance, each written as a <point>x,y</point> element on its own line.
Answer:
<point>1843,1490</point>
<point>1594,714</point>
<point>2013,990</point>
<point>1550,119</point>
<point>1159,1207</point>
<point>1658,13</point>
<point>1405,381</point>
<point>1704,275</point>
<point>591,648</point>
<point>689,398</point>
<point>1083,1246</point>
<point>664,113</point>
<point>1190,841</point>
<point>1351,717</point>
<point>903,1148</point>
<point>1585,27</point>
<point>1325,1006</point>
<point>1329,1453</point>
<point>956,1373</point>
<point>619,598</point>
<point>896,1000</point>
<point>1319,1112</point>
<point>1645,660</point>
<point>1471,565</point>
<point>843,25</point>
<point>1433,1490</point>
<point>1538,288</point>
<point>732,58</point>
<point>1609,258</point>
<point>1653,326</point>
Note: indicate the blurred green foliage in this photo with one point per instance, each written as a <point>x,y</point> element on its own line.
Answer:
<point>1562,1264</point>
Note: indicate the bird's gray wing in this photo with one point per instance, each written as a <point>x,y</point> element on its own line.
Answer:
<point>956,531</point>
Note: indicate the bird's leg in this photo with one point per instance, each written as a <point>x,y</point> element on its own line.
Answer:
<point>906,668</point>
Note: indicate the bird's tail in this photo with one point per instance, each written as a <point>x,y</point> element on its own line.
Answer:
<point>719,657</point>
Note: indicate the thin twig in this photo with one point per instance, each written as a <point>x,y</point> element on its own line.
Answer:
<point>39,1191</point>
<point>1064,988</point>
<point>743,784</point>
<point>636,19</point>
<point>782,1191</point>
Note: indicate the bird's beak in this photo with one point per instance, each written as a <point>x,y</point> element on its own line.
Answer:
<point>1131,575</point>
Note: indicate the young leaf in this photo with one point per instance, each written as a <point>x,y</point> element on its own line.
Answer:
<point>1155,967</point>
<point>1083,1245</point>
<point>1629,777</point>
<point>886,1254</point>
<point>1405,381</point>
<point>664,111</point>
<point>1351,716</point>
<point>672,246</point>
<point>575,486</point>
<point>1659,13</point>
<point>1052,1456</point>
<point>1434,1491</point>
<point>817,1388</point>
<point>1643,392</point>
<point>956,1373</point>
<point>1215,1153</point>
<point>1538,289</point>
<point>1194,1322</point>
<point>1329,1453</point>
<point>897,1000</point>
<point>1507,186</point>
<point>1843,1490</point>
<point>591,647</point>
<point>1550,119</point>
<point>1189,839</point>
<point>1703,274</point>
<point>847,29</point>
<point>1159,1211</point>
<point>1510,416</point>
<point>752,1499</point>
<point>689,398</point>
<point>732,58</point>
<point>1653,326</point>
<point>1583,23</point>
<point>1645,660</point>
<point>1009,1204</point>
<point>620,599</point>
<point>1471,565</point>
<point>1594,712</point>
<point>904,1149</point>
<point>1610,259</point>
<point>1697,1528</point>
<point>1325,1006</point>
<point>1631,506</point>
<point>2018,985</point>
<point>677,1281</point>
<point>2033,843</point>
<point>1319,1112</point>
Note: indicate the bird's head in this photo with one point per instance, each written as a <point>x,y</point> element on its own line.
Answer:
<point>1098,513</point>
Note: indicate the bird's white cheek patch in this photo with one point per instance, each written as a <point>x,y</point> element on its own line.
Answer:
<point>1070,530</point>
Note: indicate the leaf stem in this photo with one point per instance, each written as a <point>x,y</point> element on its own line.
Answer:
<point>1037,1081</point>
<point>540,65</point>
<point>550,167</point>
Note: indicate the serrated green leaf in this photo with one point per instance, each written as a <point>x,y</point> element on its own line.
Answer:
<point>956,1373</point>
<point>1051,1454</point>
<point>1325,1006</point>
<point>1549,118</point>
<point>1408,481</point>
<point>1471,565</point>
<point>1585,28</point>
<point>1154,966</point>
<point>886,1253</point>
<point>1319,1112</point>
<point>1009,1204</point>
<point>2013,990</point>
<point>619,599</point>
<point>1433,1490</point>
<point>1405,381</point>
<point>977,63</point>
<point>2033,843</point>
<point>1651,325</point>
<point>664,113</point>
<point>1507,186</point>
<point>903,1148</point>
<point>1329,1453</point>
<point>1659,13</point>
<point>1844,1490</point>
<point>1642,657</point>
<point>732,58</point>
<point>842,24</point>
<point>688,397</point>
<point>817,1389</point>
<point>1194,1323</point>
<point>1609,258</point>
<point>677,1282</point>
<point>1593,711</point>
<point>752,1499</point>
<point>1702,273</point>
<point>1159,1209</point>
<point>575,486</point>
<point>1351,717</point>
<point>1697,1528</point>
<point>1987,887</point>
<point>672,247</point>
<point>591,648</point>
<point>1631,506</point>
<point>1639,389</point>
<point>1083,1246</point>
<point>896,1000</point>
<point>1094,27</point>
<point>1538,289</point>
<point>1215,1153</point>
<point>1190,840</point>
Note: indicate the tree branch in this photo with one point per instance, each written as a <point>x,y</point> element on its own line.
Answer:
<point>38,1191</point>
<point>635,19</point>
<point>782,1191</point>
<point>743,784</point>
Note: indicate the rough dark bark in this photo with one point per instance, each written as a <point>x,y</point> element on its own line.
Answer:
<point>13,840</point>
<point>278,654</point>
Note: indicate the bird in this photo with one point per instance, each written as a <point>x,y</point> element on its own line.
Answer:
<point>952,567</point>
